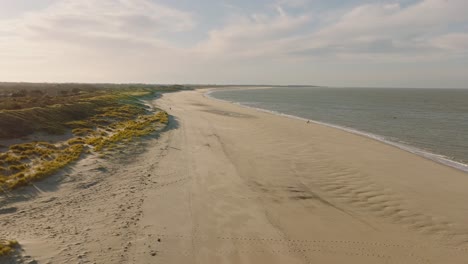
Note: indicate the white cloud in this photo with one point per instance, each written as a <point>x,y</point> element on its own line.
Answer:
<point>387,29</point>
<point>293,3</point>
<point>90,40</point>
<point>137,40</point>
<point>454,41</point>
<point>392,19</point>
<point>255,35</point>
<point>83,21</point>
<point>379,31</point>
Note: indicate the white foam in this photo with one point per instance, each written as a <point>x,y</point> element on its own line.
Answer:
<point>428,155</point>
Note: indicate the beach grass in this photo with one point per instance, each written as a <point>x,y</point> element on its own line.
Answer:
<point>7,246</point>
<point>95,120</point>
<point>96,117</point>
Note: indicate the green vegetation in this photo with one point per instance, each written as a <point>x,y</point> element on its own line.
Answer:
<point>7,246</point>
<point>82,131</point>
<point>35,160</point>
<point>127,130</point>
<point>97,118</point>
<point>55,108</point>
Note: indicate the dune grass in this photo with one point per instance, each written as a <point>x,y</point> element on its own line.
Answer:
<point>97,119</point>
<point>127,130</point>
<point>7,246</point>
<point>95,122</point>
<point>24,163</point>
<point>75,107</point>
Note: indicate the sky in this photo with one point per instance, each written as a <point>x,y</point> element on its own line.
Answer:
<point>380,43</point>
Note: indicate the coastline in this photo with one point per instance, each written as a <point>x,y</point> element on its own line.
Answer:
<point>228,184</point>
<point>406,147</point>
<point>255,176</point>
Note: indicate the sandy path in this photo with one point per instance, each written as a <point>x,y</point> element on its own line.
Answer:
<point>227,184</point>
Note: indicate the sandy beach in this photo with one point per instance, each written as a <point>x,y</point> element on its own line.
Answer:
<point>227,184</point>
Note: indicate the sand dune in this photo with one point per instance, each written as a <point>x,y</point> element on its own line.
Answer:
<point>226,184</point>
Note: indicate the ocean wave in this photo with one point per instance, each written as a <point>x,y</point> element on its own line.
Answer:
<point>417,151</point>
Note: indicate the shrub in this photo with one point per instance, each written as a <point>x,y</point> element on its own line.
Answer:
<point>17,167</point>
<point>80,124</point>
<point>13,159</point>
<point>98,122</point>
<point>22,147</point>
<point>74,141</point>
<point>82,131</point>
<point>7,246</point>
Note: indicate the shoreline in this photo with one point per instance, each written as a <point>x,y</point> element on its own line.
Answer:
<point>285,180</point>
<point>228,184</point>
<point>438,158</point>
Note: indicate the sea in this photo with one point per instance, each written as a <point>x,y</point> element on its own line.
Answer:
<point>432,123</point>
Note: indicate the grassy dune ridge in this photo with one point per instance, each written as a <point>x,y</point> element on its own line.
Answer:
<point>93,118</point>
<point>41,112</point>
<point>96,120</point>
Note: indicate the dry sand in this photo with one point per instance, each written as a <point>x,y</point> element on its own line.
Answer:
<point>226,184</point>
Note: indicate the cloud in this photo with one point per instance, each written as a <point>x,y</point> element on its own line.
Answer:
<point>93,40</point>
<point>140,40</point>
<point>387,29</point>
<point>293,3</point>
<point>455,41</point>
<point>377,31</point>
<point>123,16</point>
<point>74,20</point>
<point>255,35</point>
<point>393,20</point>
